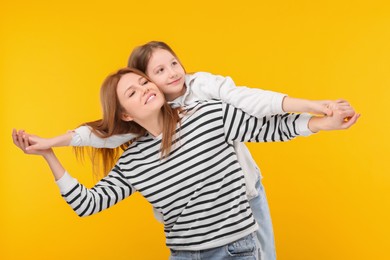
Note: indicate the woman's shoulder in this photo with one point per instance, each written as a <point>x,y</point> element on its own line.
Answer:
<point>204,105</point>
<point>200,107</point>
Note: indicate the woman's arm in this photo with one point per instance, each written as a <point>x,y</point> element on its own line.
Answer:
<point>109,191</point>
<point>239,126</point>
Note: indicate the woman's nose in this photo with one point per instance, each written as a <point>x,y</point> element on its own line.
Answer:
<point>145,90</point>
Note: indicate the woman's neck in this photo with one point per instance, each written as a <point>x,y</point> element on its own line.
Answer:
<point>154,125</point>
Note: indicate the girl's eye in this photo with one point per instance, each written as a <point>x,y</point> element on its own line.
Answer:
<point>160,70</point>
<point>174,63</point>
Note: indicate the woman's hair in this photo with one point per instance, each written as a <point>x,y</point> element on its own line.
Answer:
<point>140,56</point>
<point>112,124</point>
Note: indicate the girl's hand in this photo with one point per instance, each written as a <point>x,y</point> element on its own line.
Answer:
<point>326,107</point>
<point>30,144</point>
<point>317,107</point>
<point>39,143</point>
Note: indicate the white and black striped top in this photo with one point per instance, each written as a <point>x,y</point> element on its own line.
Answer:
<point>199,188</point>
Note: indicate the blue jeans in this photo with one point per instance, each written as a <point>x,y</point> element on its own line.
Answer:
<point>265,233</point>
<point>245,248</point>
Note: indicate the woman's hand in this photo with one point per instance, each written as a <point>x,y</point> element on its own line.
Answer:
<point>339,120</point>
<point>23,141</point>
<point>31,144</point>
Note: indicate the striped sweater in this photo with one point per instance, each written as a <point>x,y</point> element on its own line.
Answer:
<point>199,188</point>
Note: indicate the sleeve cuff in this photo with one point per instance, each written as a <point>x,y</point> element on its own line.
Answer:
<point>277,103</point>
<point>76,139</point>
<point>66,183</point>
<point>302,124</point>
<point>80,134</point>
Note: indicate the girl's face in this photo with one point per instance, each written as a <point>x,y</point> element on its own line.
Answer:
<point>139,98</point>
<point>168,74</point>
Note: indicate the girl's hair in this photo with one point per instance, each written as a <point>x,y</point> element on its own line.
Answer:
<point>141,55</point>
<point>104,159</point>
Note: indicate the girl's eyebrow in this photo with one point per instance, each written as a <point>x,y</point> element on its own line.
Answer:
<point>158,66</point>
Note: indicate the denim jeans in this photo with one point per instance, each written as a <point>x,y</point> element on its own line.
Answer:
<point>265,233</point>
<point>245,248</point>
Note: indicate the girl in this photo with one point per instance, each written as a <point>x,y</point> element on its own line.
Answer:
<point>188,171</point>
<point>161,64</point>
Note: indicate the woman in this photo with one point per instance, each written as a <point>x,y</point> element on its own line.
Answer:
<point>188,171</point>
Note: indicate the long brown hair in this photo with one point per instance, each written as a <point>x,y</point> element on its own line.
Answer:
<point>104,159</point>
<point>140,56</point>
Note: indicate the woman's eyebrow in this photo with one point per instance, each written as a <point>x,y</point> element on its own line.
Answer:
<point>128,88</point>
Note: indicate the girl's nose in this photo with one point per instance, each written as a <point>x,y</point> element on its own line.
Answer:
<point>172,73</point>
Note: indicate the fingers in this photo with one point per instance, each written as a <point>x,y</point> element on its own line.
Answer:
<point>339,105</point>
<point>20,139</point>
<point>351,121</point>
<point>14,137</point>
<point>327,111</point>
<point>345,113</point>
<point>17,138</point>
<point>31,142</point>
<point>25,142</point>
<point>341,101</point>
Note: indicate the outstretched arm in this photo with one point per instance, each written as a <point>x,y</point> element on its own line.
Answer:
<point>256,102</point>
<point>109,191</point>
<point>242,127</point>
<point>318,107</point>
<point>82,136</point>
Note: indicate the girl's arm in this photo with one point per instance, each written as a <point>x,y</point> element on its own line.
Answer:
<point>82,136</point>
<point>256,102</point>
<point>109,191</point>
<point>239,126</point>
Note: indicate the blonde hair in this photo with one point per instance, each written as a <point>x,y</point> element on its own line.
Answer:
<point>104,159</point>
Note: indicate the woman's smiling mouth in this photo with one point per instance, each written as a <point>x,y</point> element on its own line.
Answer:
<point>150,97</point>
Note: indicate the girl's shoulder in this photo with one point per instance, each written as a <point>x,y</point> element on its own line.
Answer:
<point>201,76</point>
<point>207,82</point>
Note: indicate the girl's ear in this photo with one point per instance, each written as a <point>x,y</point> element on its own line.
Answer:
<point>127,117</point>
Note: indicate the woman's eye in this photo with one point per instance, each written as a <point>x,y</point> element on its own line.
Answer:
<point>145,82</point>
<point>132,94</point>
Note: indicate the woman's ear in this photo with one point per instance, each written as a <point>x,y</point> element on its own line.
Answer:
<point>126,117</point>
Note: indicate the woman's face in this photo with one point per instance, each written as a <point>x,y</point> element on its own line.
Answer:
<point>168,74</point>
<point>139,98</point>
